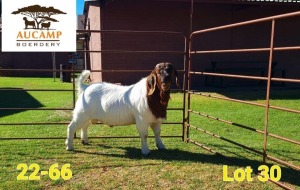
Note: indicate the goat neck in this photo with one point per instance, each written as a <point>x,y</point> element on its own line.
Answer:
<point>157,99</point>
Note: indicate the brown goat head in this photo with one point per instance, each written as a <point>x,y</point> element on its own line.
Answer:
<point>158,88</point>
<point>161,77</point>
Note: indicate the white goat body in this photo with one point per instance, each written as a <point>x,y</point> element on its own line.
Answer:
<point>113,105</point>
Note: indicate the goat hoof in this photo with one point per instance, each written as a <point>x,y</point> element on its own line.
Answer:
<point>85,142</point>
<point>161,147</point>
<point>146,153</point>
<point>70,149</point>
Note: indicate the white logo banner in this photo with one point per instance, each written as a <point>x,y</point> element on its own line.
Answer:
<point>38,26</point>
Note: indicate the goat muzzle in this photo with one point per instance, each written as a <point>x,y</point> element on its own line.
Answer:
<point>165,87</point>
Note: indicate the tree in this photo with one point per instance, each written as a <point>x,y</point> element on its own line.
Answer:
<point>38,13</point>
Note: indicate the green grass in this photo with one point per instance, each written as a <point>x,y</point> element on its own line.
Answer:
<point>118,163</point>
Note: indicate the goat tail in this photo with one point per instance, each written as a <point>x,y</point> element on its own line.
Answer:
<point>80,81</point>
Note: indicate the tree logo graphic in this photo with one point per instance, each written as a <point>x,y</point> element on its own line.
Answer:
<point>38,17</point>
<point>38,26</point>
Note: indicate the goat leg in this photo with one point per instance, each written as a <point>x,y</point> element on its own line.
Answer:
<point>156,130</point>
<point>72,128</point>
<point>143,131</point>
<point>84,136</point>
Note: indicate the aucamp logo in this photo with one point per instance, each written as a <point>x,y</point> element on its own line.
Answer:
<point>41,20</point>
<point>36,27</point>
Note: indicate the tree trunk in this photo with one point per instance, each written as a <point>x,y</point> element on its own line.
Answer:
<point>37,24</point>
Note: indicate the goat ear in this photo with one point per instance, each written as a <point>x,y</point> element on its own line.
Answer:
<point>151,83</point>
<point>176,77</point>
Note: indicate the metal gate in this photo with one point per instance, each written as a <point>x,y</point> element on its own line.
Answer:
<point>192,128</point>
<point>72,71</point>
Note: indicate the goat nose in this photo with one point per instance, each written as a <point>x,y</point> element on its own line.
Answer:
<point>167,78</point>
<point>165,86</point>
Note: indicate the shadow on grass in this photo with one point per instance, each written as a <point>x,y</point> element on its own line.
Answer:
<point>16,98</point>
<point>288,175</point>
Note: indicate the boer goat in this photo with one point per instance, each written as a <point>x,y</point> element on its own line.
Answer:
<point>46,25</point>
<point>28,23</point>
<point>144,103</point>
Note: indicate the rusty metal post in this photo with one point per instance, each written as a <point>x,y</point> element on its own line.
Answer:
<point>73,84</point>
<point>189,89</point>
<point>185,74</point>
<point>268,92</point>
<point>188,75</point>
<point>74,87</point>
